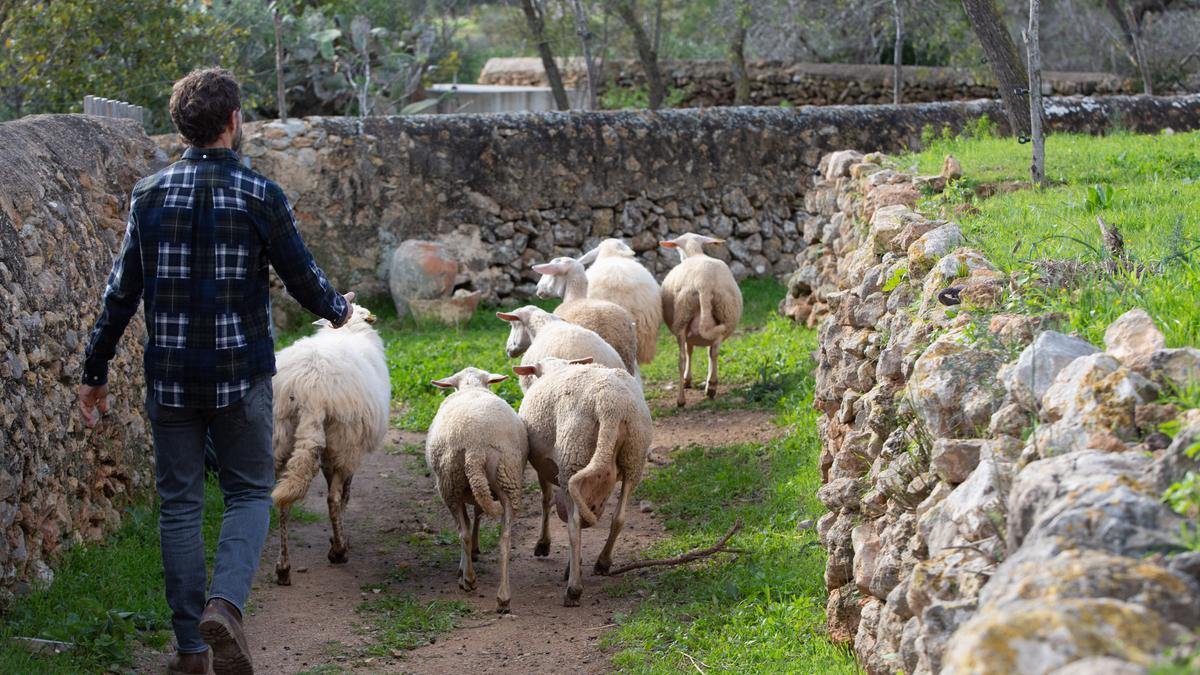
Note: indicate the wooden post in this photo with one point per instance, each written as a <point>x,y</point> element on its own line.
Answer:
<point>585,37</point>
<point>1037,167</point>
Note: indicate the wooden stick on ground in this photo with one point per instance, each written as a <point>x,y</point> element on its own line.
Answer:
<point>695,554</point>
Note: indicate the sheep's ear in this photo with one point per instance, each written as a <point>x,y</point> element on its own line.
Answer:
<point>507,317</point>
<point>549,268</point>
<point>580,362</point>
<point>589,257</point>
<point>525,370</point>
<point>668,244</point>
<point>448,383</point>
<point>496,379</point>
<point>711,240</point>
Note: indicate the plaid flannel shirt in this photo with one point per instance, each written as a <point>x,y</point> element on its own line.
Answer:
<point>200,235</point>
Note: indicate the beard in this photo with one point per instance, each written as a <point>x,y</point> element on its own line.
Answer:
<point>236,144</point>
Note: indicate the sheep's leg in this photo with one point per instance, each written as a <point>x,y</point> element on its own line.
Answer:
<point>475,535</point>
<point>574,576</point>
<point>542,549</point>
<point>685,369</point>
<point>502,594</point>
<point>604,562</point>
<point>283,567</point>
<point>338,546</point>
<point>466,572</point>
<point>710,385</point>
<point>346,491</point>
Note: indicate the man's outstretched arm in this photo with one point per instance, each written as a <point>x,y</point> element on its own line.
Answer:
<point>298,269</point>
<point>121,296</point>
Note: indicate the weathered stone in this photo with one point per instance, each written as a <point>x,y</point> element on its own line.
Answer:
<point>954,459</point>
<point>1036,637</point>
<point>932,247</point>
<point>838,164</point>
<point>1097,393</point>
<point>973,513</point>
<point>1040,363</point>
<point>953,387</point>
<point>951,169</point>
<point>1101,664</point>
<point>1179,368</point>
<point>1132,338</point>
<point>843,612</point>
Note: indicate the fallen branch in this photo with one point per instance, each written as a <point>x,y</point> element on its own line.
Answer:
<point>695,554</point>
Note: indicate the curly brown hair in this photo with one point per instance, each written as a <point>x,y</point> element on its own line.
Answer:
<point>201,104</point>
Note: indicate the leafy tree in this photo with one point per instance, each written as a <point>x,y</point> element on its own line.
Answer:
<point>55,53</point>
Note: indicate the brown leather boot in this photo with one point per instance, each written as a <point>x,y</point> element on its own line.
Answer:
<point>188,664</point>
<point>221,628</point>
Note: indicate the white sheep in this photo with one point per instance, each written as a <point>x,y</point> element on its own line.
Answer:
<point>476,450</point>
<point>332,394</point>
<point>588,427</point>
<point>701,304</point>
<point>537,334</point>
<point>616,276</point>
<point>566,278</point>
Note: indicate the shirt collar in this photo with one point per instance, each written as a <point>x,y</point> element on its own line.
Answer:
<point>218,154</point>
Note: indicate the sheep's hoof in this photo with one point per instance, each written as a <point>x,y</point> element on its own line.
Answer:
<point>338,556</point>
<point>710,390</point>
<point>466,584</point>
<point>542,549</point>
<point>687,384</point>
<point>681,402</point>
<point>571,597</point>
<point>475,555</point>
<point>602,567</point>
<point>283,575</point>
<point>502,607</point>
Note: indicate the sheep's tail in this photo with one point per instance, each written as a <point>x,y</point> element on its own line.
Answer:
<point>305,461</point>
<point>708,329</point>
<point>599,475</point>
<point>476,466</point>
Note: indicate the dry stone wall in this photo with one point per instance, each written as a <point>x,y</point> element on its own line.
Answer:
<point>994,485</point>
<point>505,191</point>
<point>710,83</point>
<point>64,193</point>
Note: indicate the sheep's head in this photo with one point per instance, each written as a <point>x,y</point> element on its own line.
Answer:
<point>556,274</point>
<point>690,244</point>
<point>469,377</point>
<point>548,365</point>
<point>361,318</point>
<point>607,248</point>
<point>523,325</point>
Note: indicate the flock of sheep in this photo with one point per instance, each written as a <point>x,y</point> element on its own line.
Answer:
<point>583,423</point>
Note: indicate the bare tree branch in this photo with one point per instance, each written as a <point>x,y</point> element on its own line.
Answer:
<point>695,554</point>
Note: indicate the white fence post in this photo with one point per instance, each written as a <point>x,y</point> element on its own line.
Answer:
<point>106,107</point>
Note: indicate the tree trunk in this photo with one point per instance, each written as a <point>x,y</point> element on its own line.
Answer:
<point>1131,34</point>
<point>280,99</point>
<point>537,26</point>
<point>1004,61</point>
<point>737,54</point>
<point>1037,168</point>
<point>585,37</point>
<point>647,55</point>
<point>898,52</point>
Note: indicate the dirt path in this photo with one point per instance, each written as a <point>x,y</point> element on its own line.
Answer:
<point>394,520</point>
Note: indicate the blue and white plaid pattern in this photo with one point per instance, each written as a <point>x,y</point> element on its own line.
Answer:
<point>173,260</point>
<point>201,233</point>
<point>231,262</point>
<point>228,199</point>
<point>229,332</point>
<point>170,331</point>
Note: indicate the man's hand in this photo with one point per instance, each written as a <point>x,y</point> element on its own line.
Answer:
<point>349,309</point>
<point>91,398</point>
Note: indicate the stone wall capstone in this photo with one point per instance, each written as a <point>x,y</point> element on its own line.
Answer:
<point>64,197</point>
<point>995,487</point>
<point>507,191</point>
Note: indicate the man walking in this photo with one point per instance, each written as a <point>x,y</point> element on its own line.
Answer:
<point>200,235</point>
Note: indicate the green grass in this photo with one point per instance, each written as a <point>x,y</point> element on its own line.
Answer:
<point>763,611</point>
<point>107,597</point>
<point>401,622</point>
<point>1148,188</point>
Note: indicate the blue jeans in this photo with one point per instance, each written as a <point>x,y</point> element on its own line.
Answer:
<point>241,436</point>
